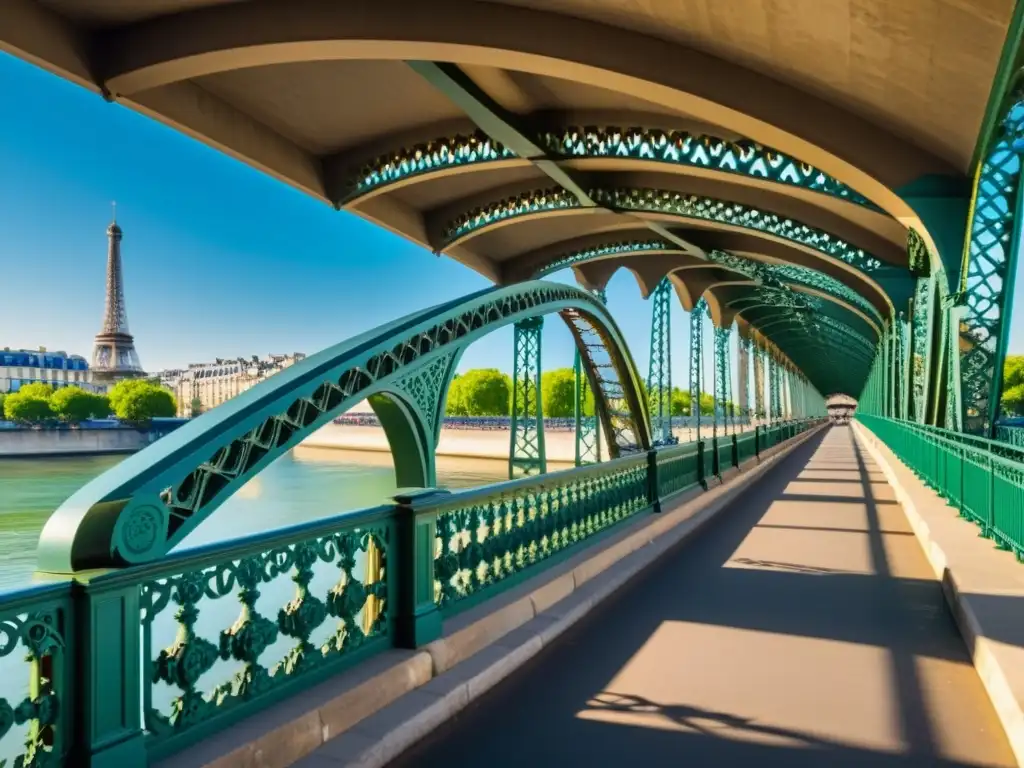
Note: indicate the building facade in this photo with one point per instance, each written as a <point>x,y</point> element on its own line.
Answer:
<point>58,369</point>
<point>207,385</point>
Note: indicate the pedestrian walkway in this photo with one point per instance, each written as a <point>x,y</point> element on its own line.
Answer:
<point>803,629</point>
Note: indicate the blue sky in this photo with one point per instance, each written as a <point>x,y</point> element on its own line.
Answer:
<point>219,259</point>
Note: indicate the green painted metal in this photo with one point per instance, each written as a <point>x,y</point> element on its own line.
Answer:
<point>696,364</point>
<point>587,428</point>
<point>146,505</point>
<point>759,383</point>
<point>659,379</point>
<point>664,202</point>
<point>990,256</point>
<point>36,724</point>
<point>744,157</point>
<point>1011,61</point>
<point>612,249</point>
<point>981,478</point>
<point>721,380</point>
<point>923,320</point>
<point>587,434</point>
<point>526,452</point>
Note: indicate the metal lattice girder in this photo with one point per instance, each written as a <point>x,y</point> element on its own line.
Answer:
<point>527,453</point>
<point>721,377</point>
<point>743,385</point>
<point>696,345</point>
<point>759,355</point>
<point>659,380</point>
<point>988,275</point>
<point>588,431</point>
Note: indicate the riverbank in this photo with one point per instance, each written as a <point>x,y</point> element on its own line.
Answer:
<point>455,443</point>
<point>47,443</point>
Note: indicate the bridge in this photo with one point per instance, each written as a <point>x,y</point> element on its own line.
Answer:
<point>829,190</point>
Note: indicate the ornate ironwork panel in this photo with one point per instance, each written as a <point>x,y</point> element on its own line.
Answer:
<point>306,605</point>
<point>439,154</point>
<point>735,214</point>
<point>536,201</point>
<point>721,379</point>
<point>921,359</point>
<point>489,535</point>
<point>35,703</point>
<point>988,275</point>
<point>425,388</point>
<point>619,248</point>
<point>696,369</point>
<point>742,157</point>
<point>659,379</point>
<point>527,453</point>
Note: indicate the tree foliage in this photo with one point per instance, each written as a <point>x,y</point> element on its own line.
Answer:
<point>558,392</point>
<point>36,389</point>
<point>1013,386</point>
<point>27,407</point>
<point>480,392</point>
<point>142,402</point>
<point>74,405</point>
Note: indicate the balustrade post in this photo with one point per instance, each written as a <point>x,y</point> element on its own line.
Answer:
<point>417,620</point>
<point>653,488</point>
<point>107,709</point>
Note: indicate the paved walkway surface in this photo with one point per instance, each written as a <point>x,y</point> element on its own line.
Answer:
<point>802,629</point>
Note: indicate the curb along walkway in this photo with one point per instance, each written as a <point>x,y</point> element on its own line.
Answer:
<point>803,628</point>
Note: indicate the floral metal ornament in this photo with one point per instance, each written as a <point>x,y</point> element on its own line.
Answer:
<point>743,157</point>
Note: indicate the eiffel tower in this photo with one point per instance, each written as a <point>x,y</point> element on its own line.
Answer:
<point>113,354</point>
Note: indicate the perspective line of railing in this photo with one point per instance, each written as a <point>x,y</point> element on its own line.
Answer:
<point>129,666</point>
<point>983,479</point>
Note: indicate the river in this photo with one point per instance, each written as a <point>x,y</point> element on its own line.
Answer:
<point>304,484</point>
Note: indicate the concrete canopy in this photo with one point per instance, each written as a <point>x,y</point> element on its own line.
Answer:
<point>517,136</point>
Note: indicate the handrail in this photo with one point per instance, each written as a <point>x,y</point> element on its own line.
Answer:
<point>224,630</point>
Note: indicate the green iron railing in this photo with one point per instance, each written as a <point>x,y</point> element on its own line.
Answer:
<point>135,664</point>
<point>983,479</point>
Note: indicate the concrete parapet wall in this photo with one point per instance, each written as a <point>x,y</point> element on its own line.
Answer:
<point>25,443</point>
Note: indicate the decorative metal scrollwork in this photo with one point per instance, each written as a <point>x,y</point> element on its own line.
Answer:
<point>359,604</point>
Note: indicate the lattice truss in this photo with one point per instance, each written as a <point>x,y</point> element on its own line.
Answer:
<point>659,379</point>
<point>588,432</point>
<point>527,452</point>
<point>768,274</point>
<point>606,377</point>
<point>261,424</point>
<point>696,347</point>
<point>989,257</point>
<point>721,375</point>
<point>664,202</point>
<point>744,157</point>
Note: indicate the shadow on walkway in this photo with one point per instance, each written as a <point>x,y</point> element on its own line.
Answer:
<point>797,630</point>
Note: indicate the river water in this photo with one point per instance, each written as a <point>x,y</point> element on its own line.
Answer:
<point>304,484</point>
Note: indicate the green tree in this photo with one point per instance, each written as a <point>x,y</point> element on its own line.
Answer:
<point>486,392</point>
<point>558,392</point>
<point>37,389</point>
<point>681,402</point>
<point>74,405</point>
<point>121,390</point>
<point>196,407</point>
<point>1013,401</point>
<point>456,403</point>
<point>707,404</point>
<point>27,407</point>
<point>142,402</point>
<point>2,396</point>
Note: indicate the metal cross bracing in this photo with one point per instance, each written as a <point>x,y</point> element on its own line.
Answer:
<point>722,378</point>
<point>988,274</point>
<point>527,455</point>
<point>659,379</point>
<point>696,363</point>
<point>587,426</point>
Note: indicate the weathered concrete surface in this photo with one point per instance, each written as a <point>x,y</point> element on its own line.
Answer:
<point>983,586</point>
<point>805,628</point>
<point>24,443</point>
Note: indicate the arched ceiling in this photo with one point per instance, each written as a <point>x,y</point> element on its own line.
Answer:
<point>742,149</point>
